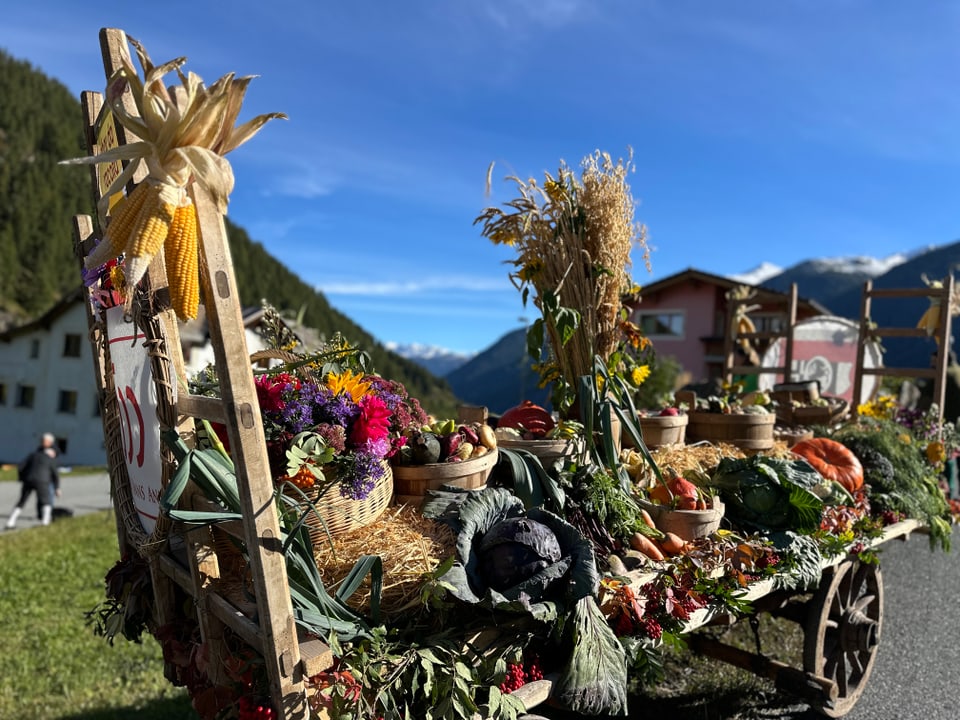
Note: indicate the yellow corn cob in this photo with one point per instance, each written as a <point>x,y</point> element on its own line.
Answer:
<point>745,326</point>
<point>152,225</point>
<point>148,234</point>
<point>180,257</point>
<point>122,220</point>
<point>930,320</point>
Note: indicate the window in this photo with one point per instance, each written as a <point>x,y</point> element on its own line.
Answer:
<point>68,402</point>
<point>667,323</point>
<point>34,349</point>
<point>3,394</point>
<point>773,323</point>
<point>61,445</point>
<point>96,406</point>
<point>25,395</point>
<point>71,345</point>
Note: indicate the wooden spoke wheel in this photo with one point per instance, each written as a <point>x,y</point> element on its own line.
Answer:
<point>842,631</point>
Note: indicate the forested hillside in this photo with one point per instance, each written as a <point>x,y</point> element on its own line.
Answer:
<point>40,124</point>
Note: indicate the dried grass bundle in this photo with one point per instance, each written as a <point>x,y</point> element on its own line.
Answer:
<point>574,237</point>
<point>409,545</point>
<point>680,458</point>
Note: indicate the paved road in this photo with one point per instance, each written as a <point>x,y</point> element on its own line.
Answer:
<point>81,493</point>
<point>918,661</point>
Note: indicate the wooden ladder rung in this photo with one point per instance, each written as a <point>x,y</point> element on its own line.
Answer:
<point>755,370</point>
<point>200,406</point>
<point>901,372</point>
<point>903,293</point>
<point>315,655</point>
<point>897,332</point>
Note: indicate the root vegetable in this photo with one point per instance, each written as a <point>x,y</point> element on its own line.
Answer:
<point>648,547</point>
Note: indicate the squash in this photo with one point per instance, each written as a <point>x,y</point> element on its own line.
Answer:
<point>833,460</point>
<point>530,419</point>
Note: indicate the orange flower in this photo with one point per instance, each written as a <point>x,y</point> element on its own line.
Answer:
<point>349,382</point>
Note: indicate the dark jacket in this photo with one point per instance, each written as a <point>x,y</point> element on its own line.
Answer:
<point>39,470</point>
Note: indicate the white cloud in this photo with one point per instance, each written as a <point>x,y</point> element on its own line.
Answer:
<point>413,287</point>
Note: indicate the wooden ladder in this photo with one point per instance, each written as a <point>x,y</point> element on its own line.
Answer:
<point>937,370</point>
<point>734,337</point>
<point>289,658</point>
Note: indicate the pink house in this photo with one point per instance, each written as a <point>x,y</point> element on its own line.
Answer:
<point>685,316</point>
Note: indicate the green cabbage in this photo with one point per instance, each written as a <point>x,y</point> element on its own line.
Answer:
<point>766,493</point>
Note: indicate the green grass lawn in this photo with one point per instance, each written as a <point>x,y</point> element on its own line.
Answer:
<point>52,664</point>
<point>8,473</point>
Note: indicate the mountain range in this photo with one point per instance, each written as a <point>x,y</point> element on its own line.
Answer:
<point>499,377</point>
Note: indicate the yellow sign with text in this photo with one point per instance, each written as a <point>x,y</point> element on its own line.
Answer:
<point>107,140</point>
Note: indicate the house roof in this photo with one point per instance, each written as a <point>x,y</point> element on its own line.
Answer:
<point>692,275</point>
<point>45,321</point>
<point>194,332</point>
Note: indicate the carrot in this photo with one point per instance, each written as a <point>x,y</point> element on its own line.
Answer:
<point>673,544</point>
<point>647,518</point>
<point>648,547</point>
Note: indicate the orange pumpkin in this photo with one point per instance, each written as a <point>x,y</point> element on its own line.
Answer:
<point>833,460</point>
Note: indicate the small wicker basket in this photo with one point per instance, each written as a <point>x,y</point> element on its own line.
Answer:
<point>336,514</point>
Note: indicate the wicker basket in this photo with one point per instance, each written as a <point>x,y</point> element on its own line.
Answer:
<point>411,482</point>
<point>688,524</point>
<point>337,514</point>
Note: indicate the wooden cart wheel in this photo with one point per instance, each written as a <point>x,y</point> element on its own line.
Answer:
<point>842,632</point>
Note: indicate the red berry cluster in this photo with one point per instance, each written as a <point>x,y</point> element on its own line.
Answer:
<point>892,516</point>
<point>653,629</point>
<point>251,709</point>
<point>768,560</point>
<point>518,676</point>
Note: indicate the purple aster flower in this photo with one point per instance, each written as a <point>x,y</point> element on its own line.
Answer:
<point>358,481</point>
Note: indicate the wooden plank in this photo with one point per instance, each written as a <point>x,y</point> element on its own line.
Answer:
<point>753,369</point>
<point>228,614</point>
<point>902,332</point>
<point>901,372</point>
<point>249,453</point>
<point>899,293</point>
<point>315,656</point>
<point>199,406</point>
<point>176,572</point>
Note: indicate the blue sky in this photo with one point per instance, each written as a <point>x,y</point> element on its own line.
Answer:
<point>761,131</point>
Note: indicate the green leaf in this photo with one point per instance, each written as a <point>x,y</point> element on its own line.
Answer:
<point>535,339</point>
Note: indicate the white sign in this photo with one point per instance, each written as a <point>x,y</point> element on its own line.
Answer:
<point>825,349</point>
<point>137,401</point>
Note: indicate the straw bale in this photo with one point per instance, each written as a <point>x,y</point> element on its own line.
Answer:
<point>409,545</point>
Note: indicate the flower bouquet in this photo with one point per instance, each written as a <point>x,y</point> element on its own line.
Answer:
<point>331,435</point>
<point>331,428</point>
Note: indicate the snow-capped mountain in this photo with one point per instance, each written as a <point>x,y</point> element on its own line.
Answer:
<point>824,279</point>
<point>437,360</point>
<point>758,275</point>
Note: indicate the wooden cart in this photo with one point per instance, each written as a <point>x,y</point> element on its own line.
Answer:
<point>842,621</point>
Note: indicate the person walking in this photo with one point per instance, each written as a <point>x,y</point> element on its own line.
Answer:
<point>38,474</point>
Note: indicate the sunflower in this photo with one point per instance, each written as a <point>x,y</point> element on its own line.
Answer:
<point>348,382</point>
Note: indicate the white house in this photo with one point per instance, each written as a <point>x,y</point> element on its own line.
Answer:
<point>47,385</point>
<point>47,381</point>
